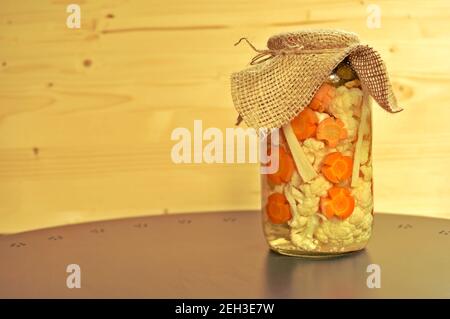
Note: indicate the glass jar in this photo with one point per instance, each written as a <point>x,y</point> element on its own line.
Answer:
<point>320,200</point>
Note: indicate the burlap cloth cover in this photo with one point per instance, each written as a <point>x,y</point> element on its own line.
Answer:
<point>283,79</point>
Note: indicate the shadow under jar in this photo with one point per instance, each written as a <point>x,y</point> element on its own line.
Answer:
<point>319,203</point>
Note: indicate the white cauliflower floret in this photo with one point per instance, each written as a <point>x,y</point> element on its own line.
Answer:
<point>298,195</point>
<point>279,242</point>
<point>356,217</point>
<point>363,193</point>
<point>303,242</point>
<point>367,221</point>
<point>293,195</point>
<point>308,197</point>
<point>296,180</point>
<point>312,148</point>
<point>311,144</point>
<point>344,233</point>
<point>305,239</point>
<point>308,206</point>
<point>343,106</point>
<point>313,223</point>
<point>345,147</point>
<point>357,232</point>
<point>319,158</point>
<point>341,103</point>
<point>365,236</point>
<point>351,125</point>
<point>338,230</point>
<point>299,222</point>
<point>315,151</point>
<point>366,225</point>
<point>320,235</point>
<point>318,187</point>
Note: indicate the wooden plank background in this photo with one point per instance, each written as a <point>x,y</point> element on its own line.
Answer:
<point>86,115</point>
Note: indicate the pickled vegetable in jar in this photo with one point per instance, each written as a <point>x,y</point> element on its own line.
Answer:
<point>315,87</point>
<point>329,210</point>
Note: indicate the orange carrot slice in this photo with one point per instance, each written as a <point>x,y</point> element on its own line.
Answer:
<point>323,97</point>
<point>339,203</point>
<point>286,168</point>
<point>337,167</point>
<point>326,208</point>
<point>331,131</point>
<point>278,209</point>
<point>304,125</point>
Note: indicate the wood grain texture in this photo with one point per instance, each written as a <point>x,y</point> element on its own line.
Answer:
<point>86,115</point>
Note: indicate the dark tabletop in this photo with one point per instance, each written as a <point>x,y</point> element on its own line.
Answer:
<point>219,255</point>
